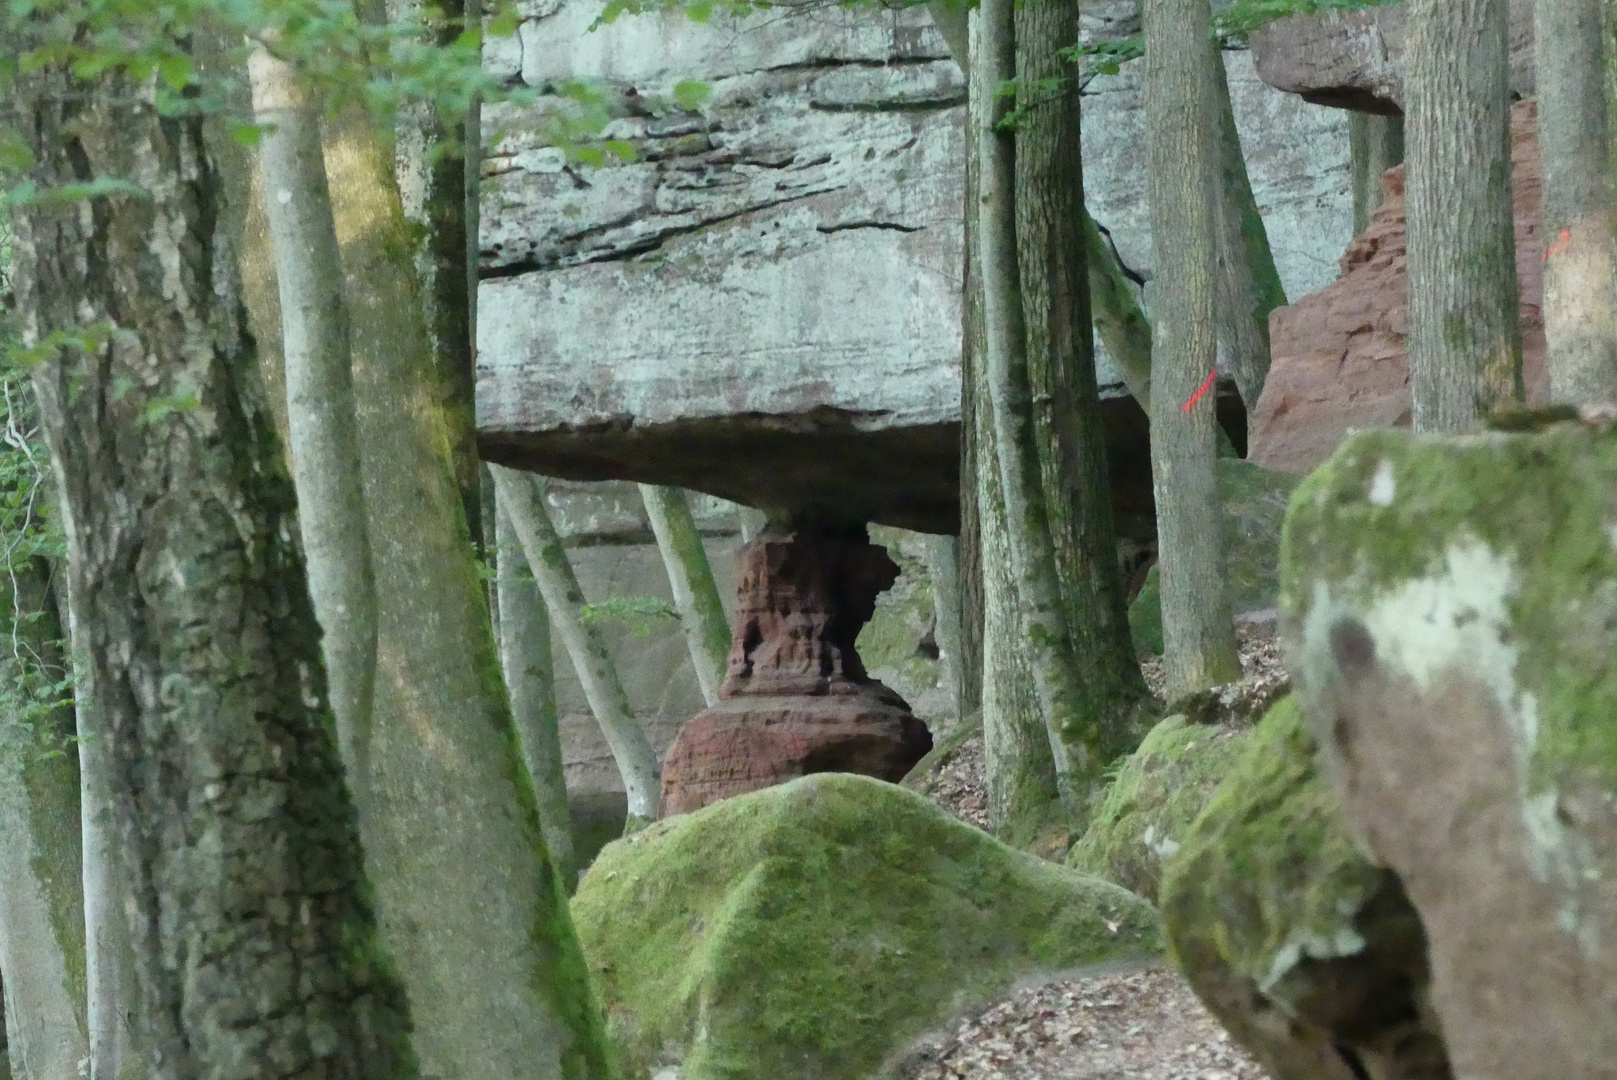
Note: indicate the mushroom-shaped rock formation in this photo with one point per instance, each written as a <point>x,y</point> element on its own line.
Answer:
<point>813,930</point>
<point>1354,59</point>
<point>1449,609</point>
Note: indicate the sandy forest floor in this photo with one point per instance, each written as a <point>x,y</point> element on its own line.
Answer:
<point>1117,1025</point>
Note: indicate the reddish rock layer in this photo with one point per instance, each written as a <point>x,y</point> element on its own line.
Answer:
<point>796,699</point>
<point>1338,354</point>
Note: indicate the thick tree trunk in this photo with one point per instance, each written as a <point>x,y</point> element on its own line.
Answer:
<point>530,678</point>
<point>1248,283</point>
<point>1069,430</point>
<point>204,652</point>
<point>323,432</point>
<point>690,576</point>
<point>637,762</point>
<point>1465,342</point>
<point>1580,284</point>
<point>1376,144</point>
<point>1181,130</point>
<point>41,885</point>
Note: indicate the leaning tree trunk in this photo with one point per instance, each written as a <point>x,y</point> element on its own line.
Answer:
<point>637,762</point>
<point>690,576</point>
<point>1248,283</point>
<point>530,678</point>
<point>41,883</point>
<point>323,434</point>
<point>1465,342</point>
<point>1181,133</point>
<point>1069,430</point>
<point>1375,144</point>
<point>1580,297</point>
<point>1120,322</point>
<point>204,654</point>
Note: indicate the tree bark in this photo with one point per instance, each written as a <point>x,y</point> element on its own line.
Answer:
<point>204,656</point>
<point>1465,342</point>
<point>637,762</point>
<point>1376,144</point>
<point>690,576</point>
<point>323,432</point>
<point>942,556</point>
<point>1068,427</point>
<point>1181,131</point>
<point>530,678</point>
<point>1248,283</point>
<point>1580,281</point>
<point>1119,321</point>
<point>41,883</point>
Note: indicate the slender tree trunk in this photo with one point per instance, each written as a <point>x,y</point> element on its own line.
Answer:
<point>1248,283</point>
<point>690,576</point>
<point>530,678</point>
<point>637,762</point>
<point>1119,321</point>
<point>1580,282</point>
<point>324,434</point>
<point>5,1047</point>
<point>41,884</point>
<point>204,652</point>
<point>943,569</point>
<point>1069,431</point>
<point>1181,132</point>
<point>1376,144</point>
<point>1465,342</point>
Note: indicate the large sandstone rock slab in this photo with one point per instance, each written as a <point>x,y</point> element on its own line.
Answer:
<point>1354,59</point>
<point>1450,615</point>
<point>808,932</point>
<point>1309,954</point>
<point>1339,360</point>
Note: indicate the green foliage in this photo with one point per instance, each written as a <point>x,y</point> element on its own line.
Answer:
<point>642,614</point>
<point>1244,16</point>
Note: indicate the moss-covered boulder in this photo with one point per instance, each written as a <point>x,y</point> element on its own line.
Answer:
<point>1308,954</point>
<point>809,931</point>
<point>1450,609</point>
<point>1149,807</point>
<point>1254,500</point>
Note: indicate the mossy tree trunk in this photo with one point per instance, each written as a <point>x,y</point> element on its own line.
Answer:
<point>1580,284</point>
<point>498,989</point>
<point>530,678</point>
<point>204,652</point>
<point>690,577</point>
<point>1182,133</point>
<point>323,434</point>
<point>1465,342</point>
<point>1248,283</point>
<point>547,558</point>
<point>41,874</point>
<point>1119,321</point>
<point>1375,144</point>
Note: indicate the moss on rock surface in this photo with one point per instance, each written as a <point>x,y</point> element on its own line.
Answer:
<point>811,930</point>
<point>1149,808</point>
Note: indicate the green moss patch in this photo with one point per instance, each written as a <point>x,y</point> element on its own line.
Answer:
<point>811,930</point>
<point>1148,810</point>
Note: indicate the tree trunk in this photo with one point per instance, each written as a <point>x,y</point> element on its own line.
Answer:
<point>1465,342</point>
<point>942,555</point>
<point>323,432</point>
<point>530,678</point>
<point>690,576</point>
<point>1248,283</point>
<point>1069,431</point>
<point>5,1047</point>
<point>1119,321</point>
<point>1376,144</point>
<point>637,762</point>
<point>1181,133</point>
<point>204,653</point>
<point>41,883</point>
<point>1580,296</point>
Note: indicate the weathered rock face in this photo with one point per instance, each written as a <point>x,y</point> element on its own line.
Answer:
<point>810,931</point>
<point>1449,610</point>
<point>1339,360</point>
<point>1355,59</point>
<point>796,699</point>
<point>1308,954</point>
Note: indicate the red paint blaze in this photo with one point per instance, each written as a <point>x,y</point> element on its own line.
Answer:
<point>1197,396</point>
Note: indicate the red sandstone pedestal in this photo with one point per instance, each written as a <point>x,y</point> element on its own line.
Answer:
<point>796,699</point>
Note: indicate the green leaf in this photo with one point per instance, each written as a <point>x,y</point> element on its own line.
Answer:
<point>505,23</point>
<point>176,71</point>
<point>691,93</point>
<point>589,155</point>
<point>624,150</point>
<point>159,408</point>
<point>700,11</point>
<point>247,134</point>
